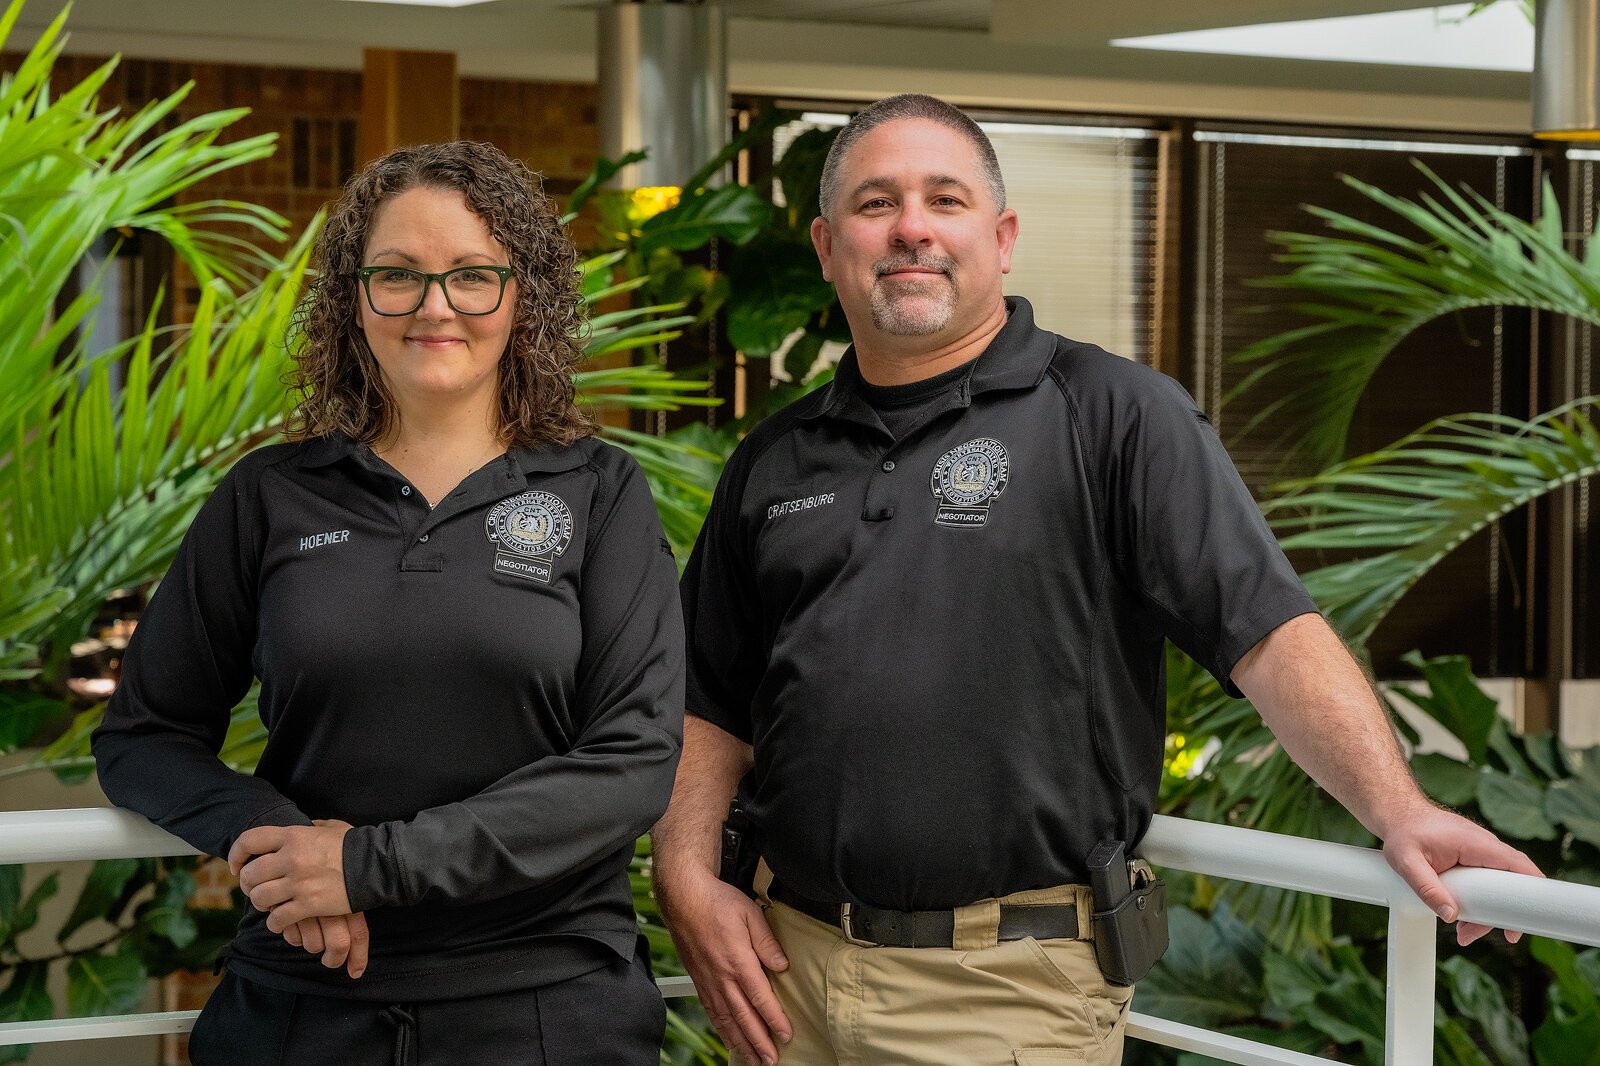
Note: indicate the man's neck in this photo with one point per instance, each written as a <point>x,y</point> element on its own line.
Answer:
<point>887,360</point>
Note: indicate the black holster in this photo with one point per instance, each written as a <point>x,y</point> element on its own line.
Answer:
<point>1130,913</point>
<point>741,850</point>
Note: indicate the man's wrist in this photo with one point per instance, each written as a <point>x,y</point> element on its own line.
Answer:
<point>1396,813</point>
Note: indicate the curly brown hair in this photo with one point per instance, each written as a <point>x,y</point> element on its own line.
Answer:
<point>339,386</point>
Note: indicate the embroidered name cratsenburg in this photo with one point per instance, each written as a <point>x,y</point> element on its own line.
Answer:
<point>805,503</point>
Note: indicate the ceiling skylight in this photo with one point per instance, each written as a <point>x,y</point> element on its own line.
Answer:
<point>1501,38</point>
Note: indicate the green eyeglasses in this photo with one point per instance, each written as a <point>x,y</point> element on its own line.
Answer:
<point>469,290</point>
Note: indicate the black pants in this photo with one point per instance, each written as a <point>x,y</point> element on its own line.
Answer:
<point>612,1016</point>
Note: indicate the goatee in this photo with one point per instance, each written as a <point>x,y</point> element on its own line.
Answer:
<point>913,306</point>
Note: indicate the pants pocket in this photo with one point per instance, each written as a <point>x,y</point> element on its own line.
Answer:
<point>1046,1056</point>
<point>1072,965</point>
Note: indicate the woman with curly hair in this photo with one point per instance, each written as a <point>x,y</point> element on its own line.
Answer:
<point>463,617</point>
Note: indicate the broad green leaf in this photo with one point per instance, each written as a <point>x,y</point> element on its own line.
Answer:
<point>21,719</point>
<point>1477,997</point>
<point>10,893</point>
<point>1337,998</point>
<point>107,879</point>
<point>1575,803</point>
<point>1514,807</point>
<point>1455,701</point>
<point>1570,1034</point>
<point>734,213</point>
<point>26,998</point>
<point>1543,751</point>
<point>168,914</point>
<point>1210,974</point>
<point>777,287</point>
<point>1453,1045</point>
<point>104,984</point>
<point>1446,780</point>
<point>27,913</point>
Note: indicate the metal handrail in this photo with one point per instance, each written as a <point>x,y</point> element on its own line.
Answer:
<point>1557,909</point>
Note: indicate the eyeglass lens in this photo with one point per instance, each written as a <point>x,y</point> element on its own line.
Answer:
<point>399,291</point>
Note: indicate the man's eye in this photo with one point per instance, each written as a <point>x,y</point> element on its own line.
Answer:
<point>875,204</point>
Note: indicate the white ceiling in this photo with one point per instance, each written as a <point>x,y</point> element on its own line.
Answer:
<point>1025,53</point>
<point>463,29</point>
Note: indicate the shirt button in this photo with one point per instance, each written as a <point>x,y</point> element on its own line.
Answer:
<point>888,466</point>
<point>405,490</point>
<point>423,538</point>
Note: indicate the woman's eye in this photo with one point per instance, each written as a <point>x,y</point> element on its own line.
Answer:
<point>471,277</point>
<point>396,276</point>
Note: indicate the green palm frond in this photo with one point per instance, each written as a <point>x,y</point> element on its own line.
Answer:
<point>1409,505</point>
<point>98,492</point>
<point>1366,290</point>
<point>1405,508</point>
<point>70,173</point>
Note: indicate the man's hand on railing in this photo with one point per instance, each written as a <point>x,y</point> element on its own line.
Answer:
<point>1425,844</point>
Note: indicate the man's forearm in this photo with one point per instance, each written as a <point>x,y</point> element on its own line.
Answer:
<point>686,842</point>
<point>1316,700</point>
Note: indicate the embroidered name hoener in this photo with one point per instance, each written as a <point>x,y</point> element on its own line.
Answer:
<point>317,540</point>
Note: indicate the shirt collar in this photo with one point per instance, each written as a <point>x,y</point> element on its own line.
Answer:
<point>519,459</point>
<point>1016,359</point>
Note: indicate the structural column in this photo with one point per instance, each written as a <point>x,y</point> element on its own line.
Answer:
<point>663,88</point>
<point>407,98</point>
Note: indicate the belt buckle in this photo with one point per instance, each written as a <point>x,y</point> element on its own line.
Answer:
<point>847,925</point>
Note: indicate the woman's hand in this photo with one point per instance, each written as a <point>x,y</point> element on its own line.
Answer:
<point>341,940</point>
<point>293,872</point>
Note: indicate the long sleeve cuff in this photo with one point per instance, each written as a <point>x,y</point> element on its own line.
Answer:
<point>373,876</point>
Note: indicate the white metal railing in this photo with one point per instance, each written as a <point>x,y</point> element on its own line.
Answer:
<point>1556,909</point>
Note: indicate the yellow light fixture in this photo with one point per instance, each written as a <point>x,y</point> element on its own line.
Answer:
<point>1566,70</point>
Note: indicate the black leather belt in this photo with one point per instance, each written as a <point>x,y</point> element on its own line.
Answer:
<point>929,929</point>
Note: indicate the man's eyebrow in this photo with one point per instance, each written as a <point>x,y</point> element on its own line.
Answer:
<point>940,180</point>
<point>935,181</point>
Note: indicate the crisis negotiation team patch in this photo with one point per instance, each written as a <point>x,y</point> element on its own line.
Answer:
<point>530,531</point>
<point>967,479</point>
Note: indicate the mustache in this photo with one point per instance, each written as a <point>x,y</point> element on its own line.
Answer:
<point>901,260</point>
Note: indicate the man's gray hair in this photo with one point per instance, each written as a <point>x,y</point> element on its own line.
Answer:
<point>909,105</point>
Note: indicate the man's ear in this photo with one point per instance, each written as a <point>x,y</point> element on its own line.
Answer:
<point>1005,231</point>
<point>822,241</point>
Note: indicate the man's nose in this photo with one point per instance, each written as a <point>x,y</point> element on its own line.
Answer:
<point>911,226</point>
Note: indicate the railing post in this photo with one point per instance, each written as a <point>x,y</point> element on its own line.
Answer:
<point>1408,1001</point>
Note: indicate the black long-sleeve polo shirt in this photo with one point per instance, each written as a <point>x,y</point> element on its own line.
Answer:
<point>489,690</point>
<point>946,643</point>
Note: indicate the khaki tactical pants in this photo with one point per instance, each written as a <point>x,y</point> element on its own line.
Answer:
<point>980,1003</point>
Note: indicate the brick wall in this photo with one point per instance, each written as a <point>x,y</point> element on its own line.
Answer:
<point>316,114</point>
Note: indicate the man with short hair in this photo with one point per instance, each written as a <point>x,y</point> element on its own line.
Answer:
<point>928,609</point>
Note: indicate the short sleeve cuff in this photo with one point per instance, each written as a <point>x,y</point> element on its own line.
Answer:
<point>1256,629</point>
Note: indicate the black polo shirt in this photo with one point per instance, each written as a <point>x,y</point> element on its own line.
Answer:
<point>947,649</point>
<point>490,690</point>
